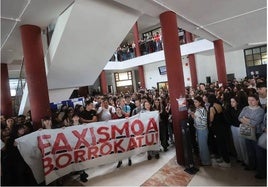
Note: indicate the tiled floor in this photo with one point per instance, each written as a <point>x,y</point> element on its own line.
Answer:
<point>164,172</point>
<point>171,174</point>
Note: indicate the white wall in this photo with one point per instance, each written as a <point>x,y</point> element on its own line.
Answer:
<point>235,63</point>
<point>206,65</point>
<point>152,75</point>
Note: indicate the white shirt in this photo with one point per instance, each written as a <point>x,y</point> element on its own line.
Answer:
<point>105,113</point>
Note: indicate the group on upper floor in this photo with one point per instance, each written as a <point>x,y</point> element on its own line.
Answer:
<point>148,44</point>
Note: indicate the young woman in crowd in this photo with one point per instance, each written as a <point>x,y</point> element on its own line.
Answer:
<point>76,121</point>
<point>147,108</point>
<point>200,123</point>
<point>67,118</point>
<point>252,115</point>
<point>119,115</point>
<point>10,123</point>
<point>217,122</point>
<point>191,109</point>
<point>231,116</point>
<point>163,122</point>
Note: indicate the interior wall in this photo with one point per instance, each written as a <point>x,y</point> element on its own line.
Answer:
<point>235,63</point>
<point>152,75</point>
<point>206,65</point>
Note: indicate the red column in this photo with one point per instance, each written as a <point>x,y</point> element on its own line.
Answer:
<point>138,53</point>
<point>220,61</point>
<point>174,74</point>
<point>35,73</point>
<point>103,83</point>
<point>141,75</point>
<point>6,102</point>
<point>136,39</point>
<point>191,57</point>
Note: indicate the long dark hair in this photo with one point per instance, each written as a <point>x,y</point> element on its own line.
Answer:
<point>212,99</point>
<point>200,100</point>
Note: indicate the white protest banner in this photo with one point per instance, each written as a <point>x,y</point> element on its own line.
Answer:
<point>53,153</point>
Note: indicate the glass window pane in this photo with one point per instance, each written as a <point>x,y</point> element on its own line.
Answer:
<point>248,52</point>
<point>129,75</point>
<point>264,55</point>
<point>250,63</point>
<point>257,62</point>
<point>256,50</point>
<point>116,77</point>
<point>264,61</point>
<point>249,57</point>
<point>123,76</point>
<point>124,83</point>
<point>257,56</point>
<point>263,49</point>
<point>12,92</point>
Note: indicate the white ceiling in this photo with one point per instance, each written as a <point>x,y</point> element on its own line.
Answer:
<point>237,22</point>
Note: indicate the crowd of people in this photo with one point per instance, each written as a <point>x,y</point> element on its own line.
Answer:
<point>214,114</point>
<point>148,44</point>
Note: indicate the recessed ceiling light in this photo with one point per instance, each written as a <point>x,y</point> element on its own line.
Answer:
<point>257,43</point>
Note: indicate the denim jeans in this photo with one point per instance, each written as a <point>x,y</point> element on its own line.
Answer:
<point>202,138</point>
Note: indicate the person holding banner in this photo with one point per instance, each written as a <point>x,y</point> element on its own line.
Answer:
<point>163,122</point>
<point>125,107</point>
<point>119,115</point>
<point>105,111</point>
<point>46,123</point>
<point>147,108</point>
<point>75,121</point>
<point>138,107</point>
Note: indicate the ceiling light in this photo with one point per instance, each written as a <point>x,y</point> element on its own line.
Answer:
<point>257,43</point>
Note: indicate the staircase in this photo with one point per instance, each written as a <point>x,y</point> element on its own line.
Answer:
<point>85,37</point>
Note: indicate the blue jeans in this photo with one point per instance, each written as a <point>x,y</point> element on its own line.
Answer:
<point>202,138</point>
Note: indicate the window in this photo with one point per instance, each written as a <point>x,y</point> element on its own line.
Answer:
<point>123,79</point>
<point>13,84</point>
<point>256,56</point>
